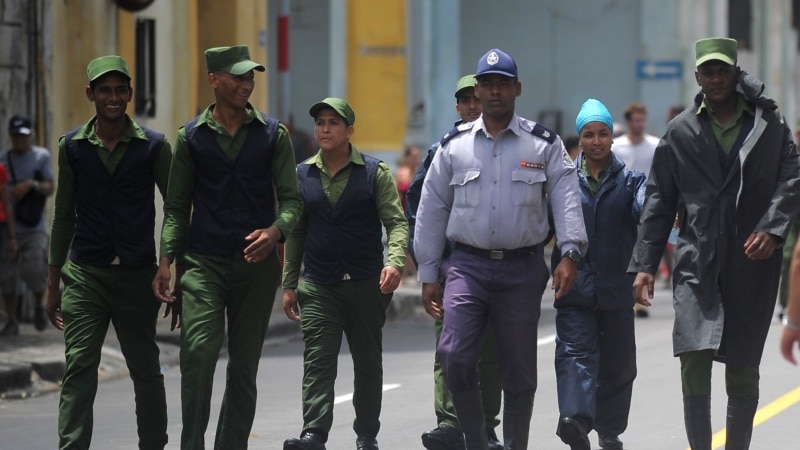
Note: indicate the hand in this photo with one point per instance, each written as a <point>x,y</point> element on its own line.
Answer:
<point>432,299</point>
<point>12,249</point>
<point>759,245</point>
<point>176,308</point>
<point>262,243</point>
<point>565,277</point>
<point>21,189</point>
<point>290,304</point>
<point>53,305</point>
<point>390,279</point>
<point>161,282</point>
<point>643,284</point>
<point>789,339</point>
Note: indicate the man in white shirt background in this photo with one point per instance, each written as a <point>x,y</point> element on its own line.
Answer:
<point>636,147</point>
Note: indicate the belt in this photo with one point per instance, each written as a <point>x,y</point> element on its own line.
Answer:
<point>501,253</point>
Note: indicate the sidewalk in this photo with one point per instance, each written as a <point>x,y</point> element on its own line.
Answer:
<point>33,362</point>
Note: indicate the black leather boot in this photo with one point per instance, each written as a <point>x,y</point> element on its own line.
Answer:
<point>517,410</point>
<point>469,410</point>
<point>739,427</point>
<point>697,416</point>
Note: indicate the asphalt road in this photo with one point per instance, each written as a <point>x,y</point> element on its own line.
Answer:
<point>656,420</point>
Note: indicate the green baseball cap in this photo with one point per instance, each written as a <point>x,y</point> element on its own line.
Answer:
<point>105,64</point>
<point>340,106</point>
<point>234,60</point>
<point>716,48</point>
<point>467,81</point>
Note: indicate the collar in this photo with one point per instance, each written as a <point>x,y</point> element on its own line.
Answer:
<point>513,125</point>
<point>87,132</point>
<point>207,117</point>
<point>741,106</point>
<point>355,158</point>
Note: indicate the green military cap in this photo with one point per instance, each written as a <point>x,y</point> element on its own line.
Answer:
<point>340,106</point>
<point>105,64</point>
<point>467,81</point>
<point>722,49</point>
<point>234,60</point>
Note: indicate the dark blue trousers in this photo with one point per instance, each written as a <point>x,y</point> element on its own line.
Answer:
<point>595,366</point>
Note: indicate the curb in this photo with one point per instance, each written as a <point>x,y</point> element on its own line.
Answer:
<point>33,364</point>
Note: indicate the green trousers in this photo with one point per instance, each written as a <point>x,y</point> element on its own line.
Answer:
<point>488,374</point>
<point>215,289</point>
<point>92,297</point>
<point>356,309</point>
<point>740,382</point>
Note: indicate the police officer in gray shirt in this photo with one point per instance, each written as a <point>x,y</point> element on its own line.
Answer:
<point>486,191</point>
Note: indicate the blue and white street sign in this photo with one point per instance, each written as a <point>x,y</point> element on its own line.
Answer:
<point>658,70</point>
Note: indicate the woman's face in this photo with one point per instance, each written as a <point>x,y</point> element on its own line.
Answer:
<point>596,141</point>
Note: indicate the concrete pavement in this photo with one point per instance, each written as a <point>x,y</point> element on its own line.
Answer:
<point>33,362</point>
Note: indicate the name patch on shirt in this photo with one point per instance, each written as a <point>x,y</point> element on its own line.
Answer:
<point>531,165</point>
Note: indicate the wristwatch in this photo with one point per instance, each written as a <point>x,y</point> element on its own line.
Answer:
<point>573,255</point>
<point>36,185</point>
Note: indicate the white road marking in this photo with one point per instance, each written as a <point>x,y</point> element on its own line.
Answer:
<point>348,397</point>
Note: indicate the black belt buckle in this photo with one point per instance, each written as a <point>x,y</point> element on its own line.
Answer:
<point>496,254</point>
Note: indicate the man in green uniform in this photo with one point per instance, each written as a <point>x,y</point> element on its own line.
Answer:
<point>730,170</point>
<point>231,164</point>
<point>347,286</point>
<point>108,170</point>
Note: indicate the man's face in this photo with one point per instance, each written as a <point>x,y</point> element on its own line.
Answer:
<point>498,94</point>
<point>331,130</point>
<point>637,123</point>
<point>111,95</point>
<point>717,80</point>
<point>468,106</point>
<point>20,141</point>
<point>232,90</point>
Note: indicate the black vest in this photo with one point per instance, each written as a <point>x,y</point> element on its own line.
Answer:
<point>115,212</point>
<point>231,198</point>
<point>345,238</point>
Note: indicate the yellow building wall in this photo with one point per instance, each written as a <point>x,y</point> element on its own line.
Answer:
<point>81,31</point>
<point>376,72</point>
<point>225,23</point>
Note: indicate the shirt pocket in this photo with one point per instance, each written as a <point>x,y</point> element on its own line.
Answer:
<point>466,191</point>
<point>526,187</point>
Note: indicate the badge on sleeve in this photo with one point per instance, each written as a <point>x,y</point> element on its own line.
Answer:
<point>566,159</point>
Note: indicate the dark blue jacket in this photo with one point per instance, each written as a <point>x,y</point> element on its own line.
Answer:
<point>612,218</point>
<point>233,198</point>
<point>344,238</point>
<point>115,212</point>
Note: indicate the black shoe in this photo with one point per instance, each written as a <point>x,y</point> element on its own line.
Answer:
<point>309,440</point>
<point>610,441</point>
<point>40,318</point>
<point>365,443</point>
<point>494,443</point>
<point>11,329</point>
<point>443,437</point>
<point>573,433</point>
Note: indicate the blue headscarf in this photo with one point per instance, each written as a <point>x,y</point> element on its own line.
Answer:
<point>593,111</point>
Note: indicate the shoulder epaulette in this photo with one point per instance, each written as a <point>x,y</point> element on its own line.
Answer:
<point>538,130</point>
<point>455,132</point>
<point>543,132</point>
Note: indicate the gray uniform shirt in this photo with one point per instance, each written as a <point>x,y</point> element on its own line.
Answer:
<point>491,193</point>
<point>28,166</point>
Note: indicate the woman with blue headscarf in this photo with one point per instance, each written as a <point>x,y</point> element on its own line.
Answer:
<point>595,345</point>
